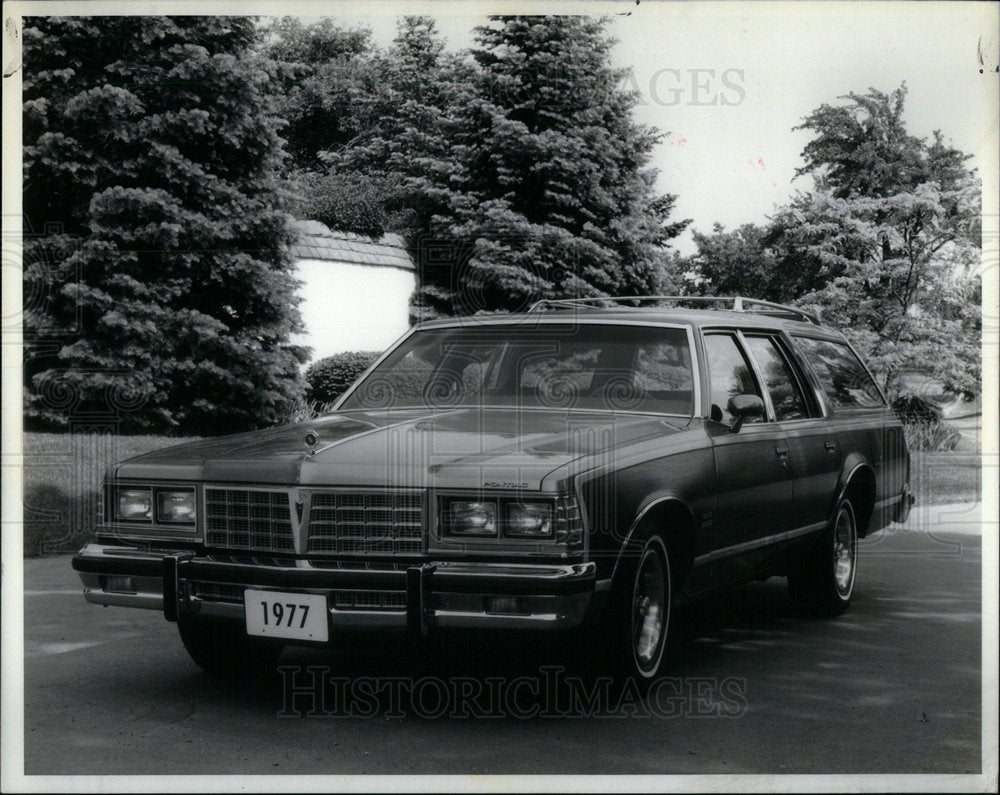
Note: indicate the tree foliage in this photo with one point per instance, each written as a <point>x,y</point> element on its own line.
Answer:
<point>406,122</point>
<point>885,245</point>
<point>155,228</point>
<point>319,70</point>
<point>894,223</point>
<point>330,377</point>
<point>904,289</point>
<point>557,197</point>
<point>739,262</point>
<point>516,171</point>
<point>862,148</point>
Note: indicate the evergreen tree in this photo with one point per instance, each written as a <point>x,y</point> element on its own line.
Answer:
<point>556,197</point>
<point>319,70</point>
<point>516,174</point>
<point>406,119</point>
<point>154,224</point>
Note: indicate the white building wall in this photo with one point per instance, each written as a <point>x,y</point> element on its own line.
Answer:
<point>349,307</point>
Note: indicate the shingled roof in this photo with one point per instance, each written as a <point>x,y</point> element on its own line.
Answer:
<point>317,241</point>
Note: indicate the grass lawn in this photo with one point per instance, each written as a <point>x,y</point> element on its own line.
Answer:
<point>939,478</point>
<point>63,474</point>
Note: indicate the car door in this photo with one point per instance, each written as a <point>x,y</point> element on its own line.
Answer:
<point>814,454</point>
<point>753,480</point>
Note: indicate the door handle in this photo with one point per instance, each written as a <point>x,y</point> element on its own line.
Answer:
<point>830,446</point>
<point>782,452</point>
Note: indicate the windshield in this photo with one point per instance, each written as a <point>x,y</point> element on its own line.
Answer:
<point>565,366</point>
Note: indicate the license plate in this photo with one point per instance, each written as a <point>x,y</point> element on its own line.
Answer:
<point>296,616</point>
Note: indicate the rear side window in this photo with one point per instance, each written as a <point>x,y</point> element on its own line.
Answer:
<point>785,395</point>
<point>844,379</point>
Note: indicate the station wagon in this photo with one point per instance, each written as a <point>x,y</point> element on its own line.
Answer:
<point>586,466</point>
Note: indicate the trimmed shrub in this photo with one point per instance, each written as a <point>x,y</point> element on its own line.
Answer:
<point>329,378</point>
<point>348,203</point>
<point>304,410</point>
<point>917,409</point>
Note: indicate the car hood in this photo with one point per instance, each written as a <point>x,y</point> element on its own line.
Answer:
<point>461,448</point>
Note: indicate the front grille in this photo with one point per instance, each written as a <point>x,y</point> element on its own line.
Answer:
<point>250,520</point>
<point>253,560</point>
<point>217,592</point>
<point>388,523</point>
<point>369,600</point>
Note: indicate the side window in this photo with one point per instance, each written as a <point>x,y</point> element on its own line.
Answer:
<point>844,379</point>
<point>729,374</point>
<point>778,378</point>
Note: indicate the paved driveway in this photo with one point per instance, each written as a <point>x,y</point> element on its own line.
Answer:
<point>892,686</point>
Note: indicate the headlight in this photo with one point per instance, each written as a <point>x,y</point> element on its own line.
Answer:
<point>468,518</point>
<point>134,505</point>
<point>175,507</point>
<point>528,519</point>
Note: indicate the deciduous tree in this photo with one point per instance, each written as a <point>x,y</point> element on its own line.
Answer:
<point>894,223</point>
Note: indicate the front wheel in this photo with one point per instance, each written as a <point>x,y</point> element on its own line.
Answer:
<point>224,649</point>
<point>635,624</point>
<point>822,582</point>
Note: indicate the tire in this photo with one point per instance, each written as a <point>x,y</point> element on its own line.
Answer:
<point>224,649</point>
<point>634,628</point>
<point>821,583</point>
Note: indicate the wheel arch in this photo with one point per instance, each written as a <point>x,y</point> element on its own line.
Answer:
<point>859,485</point>
<point>674,522</point>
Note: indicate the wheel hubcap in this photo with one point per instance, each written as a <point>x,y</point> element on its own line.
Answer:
<point>649,610</point>
<point>845,550</point>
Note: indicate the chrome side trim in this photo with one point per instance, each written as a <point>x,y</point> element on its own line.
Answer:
<point>746,546</point>
<point>847,482</point>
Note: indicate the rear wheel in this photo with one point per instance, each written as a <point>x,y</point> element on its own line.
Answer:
<point>822,582</point>
<point>225,649</point>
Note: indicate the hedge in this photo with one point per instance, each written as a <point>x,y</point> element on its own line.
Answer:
<point>327,379</point>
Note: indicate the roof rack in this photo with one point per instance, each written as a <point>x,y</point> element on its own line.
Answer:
<point>734,303</point>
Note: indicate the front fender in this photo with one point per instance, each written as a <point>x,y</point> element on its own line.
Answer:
<point>667,505</point>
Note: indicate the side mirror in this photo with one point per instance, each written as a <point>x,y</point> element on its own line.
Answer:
<point>743,406</point>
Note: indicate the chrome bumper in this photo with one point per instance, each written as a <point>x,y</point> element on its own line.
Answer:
<point>428,595</point>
